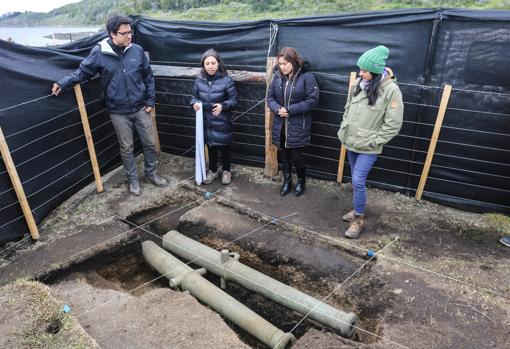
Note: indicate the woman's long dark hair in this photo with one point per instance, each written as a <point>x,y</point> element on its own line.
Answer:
<point>222,71</point>
<point>291,55</point>
<point>372,88</point>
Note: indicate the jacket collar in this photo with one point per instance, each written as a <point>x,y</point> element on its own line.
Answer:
<point>281,77</point>
<point>107,49</point>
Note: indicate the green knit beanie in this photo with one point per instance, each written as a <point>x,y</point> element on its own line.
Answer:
<point>374,60</point>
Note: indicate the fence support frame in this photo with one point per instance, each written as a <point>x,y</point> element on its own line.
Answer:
<point>433,140</point>
<point>271,163</point>
<point>18,187</point>
<point>88,137</point>
<point>341,161</point>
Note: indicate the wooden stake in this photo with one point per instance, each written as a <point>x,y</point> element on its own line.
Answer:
<point>155,130</point>
<point>433,141</point>
<point>88,137</point>
<point>343,151</point>
<point>18,188</point>
<point>271,168</point>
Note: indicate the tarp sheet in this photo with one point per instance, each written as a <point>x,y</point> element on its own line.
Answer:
<point>428,49</point>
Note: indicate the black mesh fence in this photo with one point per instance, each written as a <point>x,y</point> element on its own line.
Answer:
<point>428,49</point>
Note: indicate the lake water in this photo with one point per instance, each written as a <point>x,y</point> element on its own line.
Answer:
<point>34,36</point>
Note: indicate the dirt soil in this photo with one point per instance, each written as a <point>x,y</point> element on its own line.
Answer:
<point>440,280</point>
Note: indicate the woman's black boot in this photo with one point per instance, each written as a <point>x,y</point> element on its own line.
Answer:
<point>300,186</point>
<point>287,183</point>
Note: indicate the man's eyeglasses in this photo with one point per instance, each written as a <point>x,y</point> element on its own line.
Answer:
<point>125,34</point>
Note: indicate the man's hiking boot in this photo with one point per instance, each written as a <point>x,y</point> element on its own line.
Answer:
<point>134,188</point>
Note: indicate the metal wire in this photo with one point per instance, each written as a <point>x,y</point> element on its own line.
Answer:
<point>469,159</point>
<point>81,180</point>
<point>57,146</point>
<point>56,180</point>
<point>51,119</point>
<point>478,111</point>
<point>60,163</point>
<point>250,145</point>
<point>248,125</point>
<point>27,102</point>
<point>44,136</point>
<point>174,94</point>
<point>320,157</point>
<point>198,64</point>
<point>173,105</point>
<point>176,117</point>
<point>175,134</point>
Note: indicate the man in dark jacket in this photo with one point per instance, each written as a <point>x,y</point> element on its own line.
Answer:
<point>127,80</point>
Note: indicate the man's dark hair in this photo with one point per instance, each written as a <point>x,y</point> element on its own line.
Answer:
<point>113,24</point>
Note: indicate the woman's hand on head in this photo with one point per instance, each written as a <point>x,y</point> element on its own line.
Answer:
<point>217,108</point>
<point>196,106</point>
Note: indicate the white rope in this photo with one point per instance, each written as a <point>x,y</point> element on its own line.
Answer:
<point>14,245</point>
<point>342,242</point>
<point>174,94</point>
<point>27,102</point>
<point>234,119</point>
<point>273,34</point>
<point>198,64</point>
<point>337,288</point>
<point>246,159</point>
<point>464,158</point>
<point>256,114</point>
<point>60,163</point>
<point>245,278</point>
<point>57,146</point>
<point>248,125</point>
<point>120,234</point>
<point>51,119</point>
<point>12,221</point>
<point>250,145</point>
<point>175,117</point>
<point>44,136</point>
<point>163,275</point>
<point>81,180</point>
<point>173,105</point>
<point>478,111</point>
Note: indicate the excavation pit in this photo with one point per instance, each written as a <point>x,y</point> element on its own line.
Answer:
<point>267,246</point>
<point>90,256</point>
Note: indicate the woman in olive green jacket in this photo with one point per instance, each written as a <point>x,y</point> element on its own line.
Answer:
<point>373,116</point>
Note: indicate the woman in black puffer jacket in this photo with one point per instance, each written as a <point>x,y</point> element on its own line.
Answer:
<point>216,90</point>
<point>292,96</point>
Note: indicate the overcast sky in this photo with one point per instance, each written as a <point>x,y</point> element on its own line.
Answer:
<point>32,5</point>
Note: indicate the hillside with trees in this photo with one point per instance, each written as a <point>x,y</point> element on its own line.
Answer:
<point>95,12</point>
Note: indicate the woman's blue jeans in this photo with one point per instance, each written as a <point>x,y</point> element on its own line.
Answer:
<point>360,164</point>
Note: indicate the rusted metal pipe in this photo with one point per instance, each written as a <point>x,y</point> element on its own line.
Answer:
<point>230,269</point>
<point>182,275</point>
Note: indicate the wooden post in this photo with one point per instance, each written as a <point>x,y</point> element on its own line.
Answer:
<point>153,117</point>
<point>88,137</point>
<point>18,188</point>
<point>271,168</point>
<point>433,141</point>
<point>155,130</point>
<point>343,151</point>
